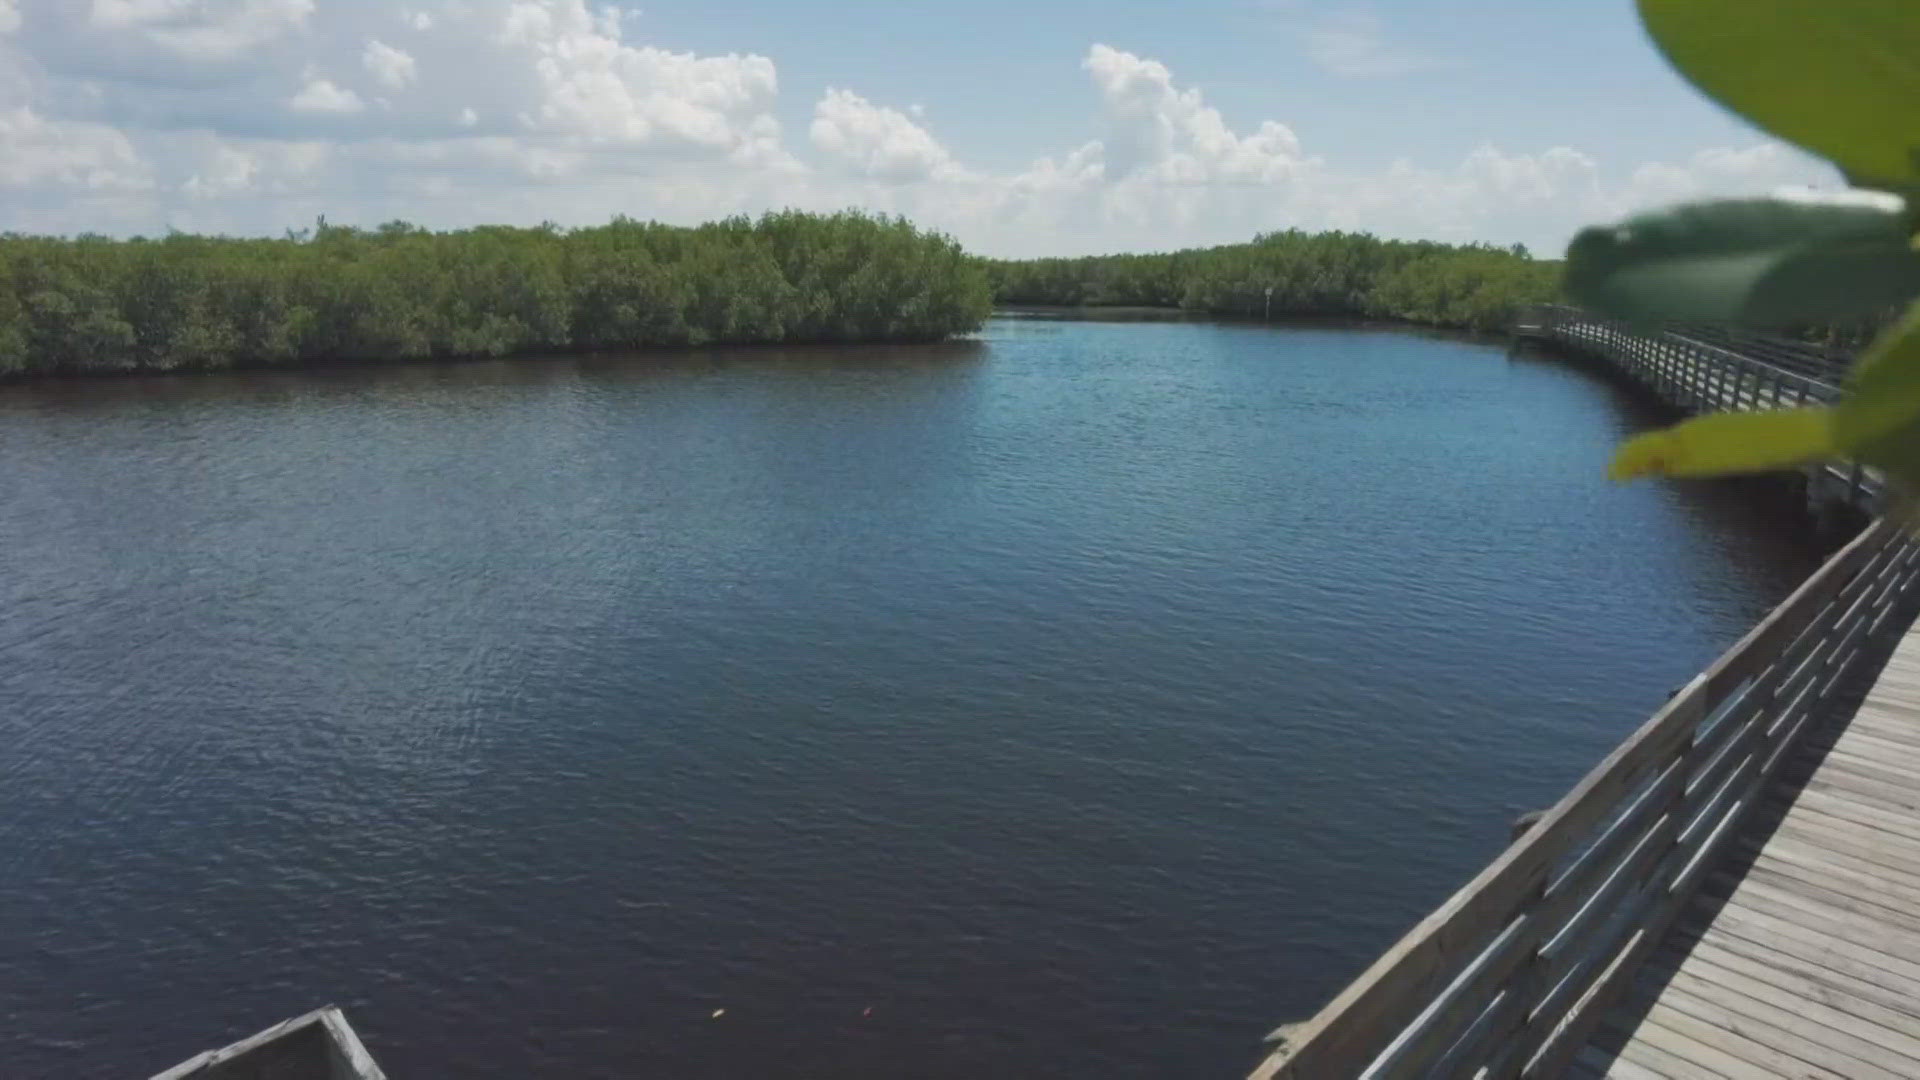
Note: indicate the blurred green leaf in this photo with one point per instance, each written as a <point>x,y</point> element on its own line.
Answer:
<point>1878,422</point>
<point>1840,77</point>
<point>1720,443</point>
<point>1754,261</point>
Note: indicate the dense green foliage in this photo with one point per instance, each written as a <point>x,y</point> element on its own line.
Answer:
<point>1335,274</point>
<point>96,304</point>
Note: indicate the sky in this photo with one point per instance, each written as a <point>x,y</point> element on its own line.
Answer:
<point>1021,129</point>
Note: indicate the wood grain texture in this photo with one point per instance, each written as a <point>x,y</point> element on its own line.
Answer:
<point>1805,960</point>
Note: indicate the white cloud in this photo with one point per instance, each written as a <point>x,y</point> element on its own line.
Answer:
<point>1530,178</point>
<point>36,151</point>
<point>1719,171</point>
<point>1159,131</point>
<point>9,16</point>
<point>1353,43</point>
<point>202,30</point>
<point>322,96</point>
<point>394,68</point>
<point>876,141</point>
<point>231,170</point>
<point>524,110</point>
<point>591,84</point>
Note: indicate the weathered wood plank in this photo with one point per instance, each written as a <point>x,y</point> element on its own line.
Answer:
<point>1889,998</point>
<point>1770,1023</point>
<point>1713,1046</point>
<point>1887,768</point>
<point>1879,851</point>
<point>1656,1057</point>
<point>1838,853</point>
<point>1836,923</point>
<point>1853,810</point>
<point>1597,1064</point>
<point>1859,1008</point>
<point>317,1043</point>
<point>1892,799</point>
<point>1871,895</point>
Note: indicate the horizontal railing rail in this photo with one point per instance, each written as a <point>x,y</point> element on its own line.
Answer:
<point>1509,977</point>
<point>1818,362</point>
<point>1699,369</point>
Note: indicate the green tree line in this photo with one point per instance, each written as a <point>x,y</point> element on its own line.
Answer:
<point>396,292</point>
<point>1331,274</point>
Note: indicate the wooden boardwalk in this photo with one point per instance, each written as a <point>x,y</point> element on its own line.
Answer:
<point>1801,957</point>
<point>1734,891</point>
<point>1698,370</point>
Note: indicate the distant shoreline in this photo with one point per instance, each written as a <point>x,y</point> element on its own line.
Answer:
<point>1137,313</point>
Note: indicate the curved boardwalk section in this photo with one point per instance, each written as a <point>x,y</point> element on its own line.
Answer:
<point>1733,892</point>
<point>1802,956</point>
<point>1699,369</point>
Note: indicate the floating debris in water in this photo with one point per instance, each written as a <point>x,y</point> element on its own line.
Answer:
<point>718,1013</point>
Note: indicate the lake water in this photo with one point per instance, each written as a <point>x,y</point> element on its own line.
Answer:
<point>1082,701</point>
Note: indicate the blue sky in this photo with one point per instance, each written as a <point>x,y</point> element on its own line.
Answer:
<point>1021,128</point>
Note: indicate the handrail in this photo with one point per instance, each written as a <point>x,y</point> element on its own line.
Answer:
<point>1802,358</point>
<point>1701,369</point>
<point>1511,974</point>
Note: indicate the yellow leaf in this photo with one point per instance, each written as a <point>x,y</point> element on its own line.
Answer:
<point>1721,443</point>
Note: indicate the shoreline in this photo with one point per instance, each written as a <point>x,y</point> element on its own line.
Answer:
<point>1123,313</point>
<point>962,341</point>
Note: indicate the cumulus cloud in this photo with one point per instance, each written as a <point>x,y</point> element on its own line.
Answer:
<point>36,151</point>
<point>1157,130</point>
<point>231,170</point>
<point>394,68</point>
<point>136,115</point>
<point>876,141</point>
<point>592,84</point>
<point>322,96</point>
<point>1717,171</point>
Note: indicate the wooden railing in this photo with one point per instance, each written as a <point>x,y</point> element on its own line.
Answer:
<point>1818,363</point>
<point>1691,369</point>
<point>1510,976</point>
<point>1704,369</point>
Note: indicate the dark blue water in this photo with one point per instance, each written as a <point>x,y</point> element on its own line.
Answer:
<point>1083,701</point>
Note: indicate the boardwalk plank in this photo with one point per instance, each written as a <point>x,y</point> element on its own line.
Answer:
<point>1715,1048</point>
<point>1592,1063</point>
<point>1775,1033</point>
<point>1803,957</point>
<point>1820,996</point>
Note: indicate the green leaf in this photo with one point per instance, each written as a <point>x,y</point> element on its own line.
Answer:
<point>1755,261</point>
<point>1878,421</point>
<point>1839,77</point>
<point>1720,443</point>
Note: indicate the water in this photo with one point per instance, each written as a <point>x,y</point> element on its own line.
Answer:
<point>1082,701</point>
